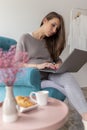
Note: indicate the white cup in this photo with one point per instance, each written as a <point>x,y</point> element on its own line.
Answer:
<point>41,97</point>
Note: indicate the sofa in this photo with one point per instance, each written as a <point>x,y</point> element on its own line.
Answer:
<point>28,81</point>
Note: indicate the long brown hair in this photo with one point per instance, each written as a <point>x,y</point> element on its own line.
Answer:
<point>56,43</point>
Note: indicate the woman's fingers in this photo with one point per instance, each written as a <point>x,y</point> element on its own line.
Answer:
<point>50,65</point>
<point>57,66</point>
<point>46,65</point>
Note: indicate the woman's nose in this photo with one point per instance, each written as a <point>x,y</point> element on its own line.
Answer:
<point>54,30</point>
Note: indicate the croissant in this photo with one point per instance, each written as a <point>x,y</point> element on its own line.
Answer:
<point>24,101</point>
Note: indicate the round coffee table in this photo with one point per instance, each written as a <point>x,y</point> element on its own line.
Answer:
<point>50,117</point>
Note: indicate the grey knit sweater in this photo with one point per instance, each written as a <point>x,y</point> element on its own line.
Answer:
<point>36,49</point>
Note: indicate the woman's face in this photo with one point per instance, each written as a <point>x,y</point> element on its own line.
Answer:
<point>51,26</point>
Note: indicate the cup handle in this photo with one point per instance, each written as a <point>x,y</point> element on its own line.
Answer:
<point>32,98</point>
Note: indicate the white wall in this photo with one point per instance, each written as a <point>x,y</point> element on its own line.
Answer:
<point>21,16</point>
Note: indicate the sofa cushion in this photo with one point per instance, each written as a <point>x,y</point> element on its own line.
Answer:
<point>55,93</point>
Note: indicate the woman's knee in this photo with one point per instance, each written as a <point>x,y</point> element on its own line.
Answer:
<point>62,78</point>
<point>67,75</point>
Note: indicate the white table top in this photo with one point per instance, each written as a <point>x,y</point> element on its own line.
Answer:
<point>50,117</point>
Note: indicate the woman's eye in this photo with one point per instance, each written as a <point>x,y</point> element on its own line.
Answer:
<point>53,25</point>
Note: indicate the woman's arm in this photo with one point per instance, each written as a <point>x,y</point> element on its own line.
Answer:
<point>19,49</point>
<point>40,66</point>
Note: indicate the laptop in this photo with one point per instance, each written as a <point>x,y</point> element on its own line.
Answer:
<point>73,63</point>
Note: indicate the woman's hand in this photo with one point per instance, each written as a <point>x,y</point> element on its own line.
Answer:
<point>45,65</point>
<point>57,65</point>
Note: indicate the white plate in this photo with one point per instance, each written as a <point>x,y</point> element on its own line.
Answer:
<point>23,109</point>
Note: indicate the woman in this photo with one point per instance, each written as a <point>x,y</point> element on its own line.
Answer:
<point>44,47</point>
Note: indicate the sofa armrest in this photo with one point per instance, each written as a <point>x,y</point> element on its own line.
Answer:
<point>6,42</point>
<point>29,77</point>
